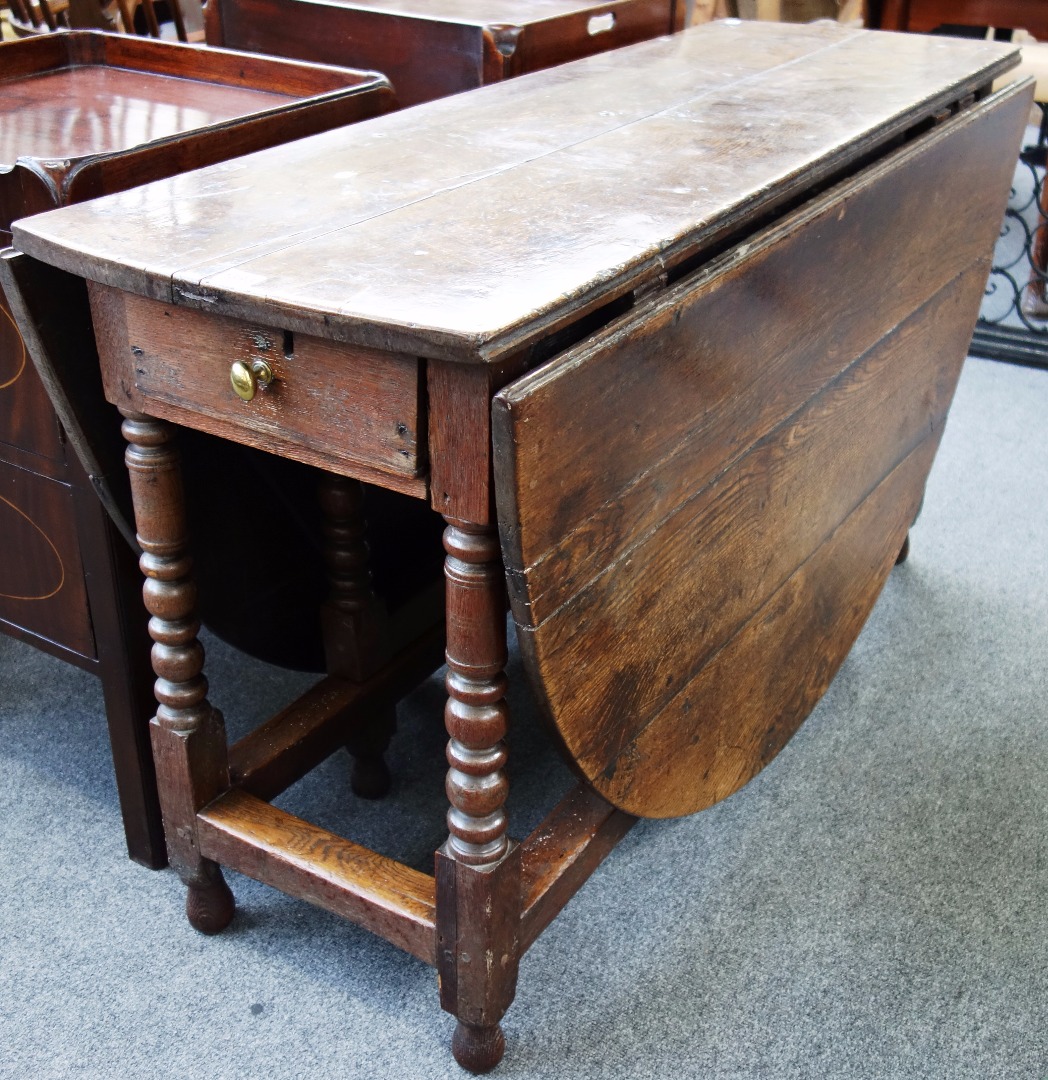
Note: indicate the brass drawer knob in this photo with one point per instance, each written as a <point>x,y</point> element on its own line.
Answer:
<point>247,378</point>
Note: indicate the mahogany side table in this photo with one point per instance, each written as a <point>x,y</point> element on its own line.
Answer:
<point>83,114</point>
<point>432,48</point>
<point>667,339</point>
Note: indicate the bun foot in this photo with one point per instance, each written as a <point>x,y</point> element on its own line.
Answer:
<point>478,1049</point>
<point>370,778</point>
<point>209,904</point>
<point>904,551</point>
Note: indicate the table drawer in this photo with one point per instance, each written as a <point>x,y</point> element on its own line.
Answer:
<point>344,408</point>
<point>42,587</point>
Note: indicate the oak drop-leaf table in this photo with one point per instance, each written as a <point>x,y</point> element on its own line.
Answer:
<point>667,336</point>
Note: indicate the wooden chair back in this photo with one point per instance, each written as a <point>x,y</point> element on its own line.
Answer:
<point>29,17</point>
<point>181,19</point>
<point>185,18</point>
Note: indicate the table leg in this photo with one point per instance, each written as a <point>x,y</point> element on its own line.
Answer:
<point>356,638</point>
<point>114,588</point>
<point>478,869</point>
<point>189,741</point>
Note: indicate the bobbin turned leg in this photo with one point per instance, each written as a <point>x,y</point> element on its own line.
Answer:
<point>188,735</point>
<point>478,868</point>
<point>356,638</point>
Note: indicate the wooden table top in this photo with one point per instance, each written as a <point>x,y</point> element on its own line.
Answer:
<point>465,228</point>
<point>97,109</point>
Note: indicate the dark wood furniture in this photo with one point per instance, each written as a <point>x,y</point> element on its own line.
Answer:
<point>925,15</point>
<point>30,17</point>
<point>83,114</point>
<point>183,19</point>
<point>432,48</point>
<point>667,338</point>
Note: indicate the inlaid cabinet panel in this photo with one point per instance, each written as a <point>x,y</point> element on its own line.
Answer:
<point>26,418</point>
<point>42,590</point>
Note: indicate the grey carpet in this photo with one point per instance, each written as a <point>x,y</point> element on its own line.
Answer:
<point>872,905</point>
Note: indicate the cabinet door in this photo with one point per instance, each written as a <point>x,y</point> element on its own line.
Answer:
<point>27,421</point>
<point>700,505</point>
<point>42,591</point>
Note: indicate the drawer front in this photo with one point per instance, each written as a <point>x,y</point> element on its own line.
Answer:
<point>343,408</point>
<point>42,587</point>
<point>27,421</point>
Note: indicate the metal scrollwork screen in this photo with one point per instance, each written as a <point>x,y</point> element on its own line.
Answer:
<point>1013,320</point>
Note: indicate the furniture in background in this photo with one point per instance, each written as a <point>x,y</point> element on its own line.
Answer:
<point>181,19</point>
<point>83,114</point>
<point>1034,300</point>
<point>177,19</point>
<point>28,17</point>
<point>926,15</point>
<point>1013,324</point>
<point>432,48</point>
<point>845,11</point>
<point>668,355</point>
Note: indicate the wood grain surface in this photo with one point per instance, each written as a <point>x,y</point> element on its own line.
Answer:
<point>304,860</point>
<point>776,299</point>
<point>475,226</point>
<point>694,543</point>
